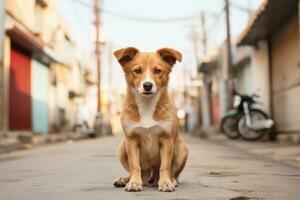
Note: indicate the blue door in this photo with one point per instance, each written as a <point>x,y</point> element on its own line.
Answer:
<point>39,90</point>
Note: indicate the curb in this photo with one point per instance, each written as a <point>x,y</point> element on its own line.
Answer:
<point>29,141</point>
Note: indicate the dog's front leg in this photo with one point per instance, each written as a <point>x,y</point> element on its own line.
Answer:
<point>166,154</point>
<point>133,152</point>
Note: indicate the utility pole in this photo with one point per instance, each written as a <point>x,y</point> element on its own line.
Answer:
<point>205,105</point>
<point>204,33</point>
<point>98,52</point>
<point>110,68</point>
<point>229,57</point>
<point>195,44</point>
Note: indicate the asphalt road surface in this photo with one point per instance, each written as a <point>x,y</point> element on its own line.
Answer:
<point>86,170</point>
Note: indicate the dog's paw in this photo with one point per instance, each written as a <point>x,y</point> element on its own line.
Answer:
<point>166,186</point>
<point>133,186</point>
<point>121,182</point>
<point>174,181</point>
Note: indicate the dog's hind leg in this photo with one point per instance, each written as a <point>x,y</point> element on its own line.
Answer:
<point>122,155</point>
<point>179,160</point>
<point>122,181</point>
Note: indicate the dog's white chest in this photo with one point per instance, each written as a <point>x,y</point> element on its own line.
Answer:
<point>146,118</point>
<point>146,123</point>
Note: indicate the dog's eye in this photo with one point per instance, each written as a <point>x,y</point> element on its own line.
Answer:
<point>157,71</point>
<point>137,71</point>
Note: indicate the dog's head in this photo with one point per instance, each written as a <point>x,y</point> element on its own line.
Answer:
<point>147,73</point>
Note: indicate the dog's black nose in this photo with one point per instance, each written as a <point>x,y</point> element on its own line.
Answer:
<point>147,86</point>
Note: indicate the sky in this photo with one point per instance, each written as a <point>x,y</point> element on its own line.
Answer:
<point>123,24</point>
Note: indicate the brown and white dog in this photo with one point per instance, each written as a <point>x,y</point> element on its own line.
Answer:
<point>152,151</point>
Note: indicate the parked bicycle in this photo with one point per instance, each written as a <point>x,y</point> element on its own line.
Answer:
<point>246,120</point>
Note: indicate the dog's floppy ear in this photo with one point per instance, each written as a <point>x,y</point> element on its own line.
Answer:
<point>169,55</point>
<point>125,55</point>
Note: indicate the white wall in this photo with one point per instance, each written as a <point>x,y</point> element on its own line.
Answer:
<point>223,97</point>
<point>205,106</point>
<point>244,80</point>
<point>261,73</point>
<point>23,11</point>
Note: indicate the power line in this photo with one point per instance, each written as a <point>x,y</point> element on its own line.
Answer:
<point>140,19</point>
<point>79,16</point>
<point>98,51</point>
<point>144,19</point>
<point>153,20</point>
<point>241,8</point>
<point>217,19</point>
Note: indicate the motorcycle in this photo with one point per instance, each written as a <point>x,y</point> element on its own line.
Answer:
<point>246,120</point>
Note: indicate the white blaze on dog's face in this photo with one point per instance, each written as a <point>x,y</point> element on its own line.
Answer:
<point>147,85</point>
<point>147,73</point>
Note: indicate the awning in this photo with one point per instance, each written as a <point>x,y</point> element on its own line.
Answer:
<point>271,15</point>
<point>243,62</point>
<point>25,40</point>
<point>28,41</point>
<point>207,67</point>
<point>242,57</point>
<point>47,56</point>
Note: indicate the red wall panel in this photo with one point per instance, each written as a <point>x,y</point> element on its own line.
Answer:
<point>20,87</point>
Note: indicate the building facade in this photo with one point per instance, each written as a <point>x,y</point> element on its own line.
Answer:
<point>266,59</point>
<point>40,69</point>
<point>273,34</point>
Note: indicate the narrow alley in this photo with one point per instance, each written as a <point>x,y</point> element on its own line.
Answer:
<point>86,170</point>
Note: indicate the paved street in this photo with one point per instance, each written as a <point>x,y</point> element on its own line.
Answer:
<point>86,169</point>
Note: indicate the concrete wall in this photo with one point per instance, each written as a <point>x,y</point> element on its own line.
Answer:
<point>205,105</point>
<point>5,84</point>
<point>2,8</point>
<point>24,12</point>
<point>261,73</point>
<point>222,74</point>
<point>50,27</point>
<point>286,76</point>
<point>223,96</point>
<point>244,80</point>
<point>285,56</point>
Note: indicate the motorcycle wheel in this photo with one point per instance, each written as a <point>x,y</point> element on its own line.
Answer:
<point>245,132</point>
<point>228,127</point>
